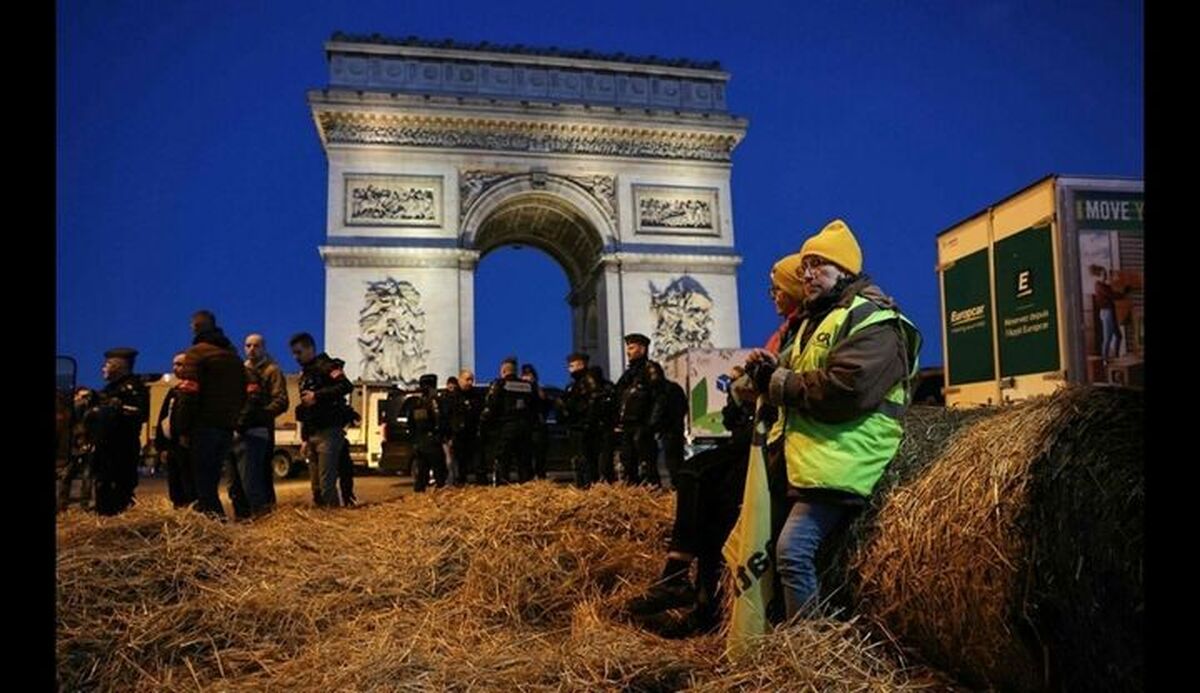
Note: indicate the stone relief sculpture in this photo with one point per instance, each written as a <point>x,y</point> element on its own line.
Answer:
<point>405,204</point>
<point>380,200</point>
<point>686,214</point>
<point>392,332</point>
<point>682,317</point>
<point>676,210</point>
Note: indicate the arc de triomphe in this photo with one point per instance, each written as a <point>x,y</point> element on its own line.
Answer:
<point>439,153</point>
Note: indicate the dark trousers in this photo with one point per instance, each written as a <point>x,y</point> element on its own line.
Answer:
<point>584,457</point>
<point>78,467</point>
<point>115,470</point>
<point>512,444</point>
<point>672,450</point>
<point>181,476</point>
<point>606,444</point>
<point>429,457</point>
<point>269,472</point>
<point>346,475</point>
<point>639,456</point>
<point>464,447</point>
<point>708,499</point>
<point>210,449</point>
<point>539,448</point>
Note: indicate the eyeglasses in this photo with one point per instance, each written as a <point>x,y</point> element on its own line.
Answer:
<point>774,291</point>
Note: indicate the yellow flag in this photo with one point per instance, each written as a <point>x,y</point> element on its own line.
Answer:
<point>749,574</point>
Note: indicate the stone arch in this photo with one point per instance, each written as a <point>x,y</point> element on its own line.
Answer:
<point>558,220</point>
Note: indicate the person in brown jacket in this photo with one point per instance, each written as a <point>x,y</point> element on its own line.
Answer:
<point>212,394</point>
<point>841,387</point>
<point>251,480</point>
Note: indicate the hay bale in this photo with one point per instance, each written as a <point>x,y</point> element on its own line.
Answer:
<point>1006,545</point>
<point>516,588</point>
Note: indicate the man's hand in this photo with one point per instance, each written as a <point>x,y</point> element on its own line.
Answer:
<point>162,457</point>
<point>760,355</point>
<point>743,389</point>
<point>304,450</point>
<point>308,398</point>
<point>760,364</point>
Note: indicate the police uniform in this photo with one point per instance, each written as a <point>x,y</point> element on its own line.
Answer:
<point>425,425</point>
<point>667,420</point>
<point>508,410</point>
<point>462,413</point>
<point>539,435</point>
<point>636,393</point>
<point>322,424</point>
<point>123,409</point>
<point>575,407</point>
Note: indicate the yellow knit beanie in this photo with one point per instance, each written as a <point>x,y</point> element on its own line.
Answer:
<point>835,243</point>
<point>786,275</point>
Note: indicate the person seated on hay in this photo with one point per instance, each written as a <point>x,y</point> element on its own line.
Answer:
<point>841,386</point>
<point>709,491</point>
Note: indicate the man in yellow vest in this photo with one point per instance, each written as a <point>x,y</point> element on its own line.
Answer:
<point>841,387</point>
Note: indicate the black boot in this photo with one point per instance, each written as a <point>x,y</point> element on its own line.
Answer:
<point>672,591</point>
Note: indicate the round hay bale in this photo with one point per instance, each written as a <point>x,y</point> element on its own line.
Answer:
<point>1006,544</point>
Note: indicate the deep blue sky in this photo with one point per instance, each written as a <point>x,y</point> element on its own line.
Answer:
<point>190,173</point>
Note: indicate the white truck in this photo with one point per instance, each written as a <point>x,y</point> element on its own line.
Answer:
<point>365,438</point>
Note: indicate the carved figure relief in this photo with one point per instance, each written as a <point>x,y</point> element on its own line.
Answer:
<point>391,328</point>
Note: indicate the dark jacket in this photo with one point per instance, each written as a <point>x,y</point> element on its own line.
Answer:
<point>509,402</point>
<point>324,377</point>
<point>670,410</point>
<point>462,412</point>
<point>123,407</point>
<point>425,422</point>
<point>213,386</point>
<point>576,400</point>
<point>636,394</point>
<point>167,413</point>
<point>266,395</point>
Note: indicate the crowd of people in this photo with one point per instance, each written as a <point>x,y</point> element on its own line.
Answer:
<point>827,392</point>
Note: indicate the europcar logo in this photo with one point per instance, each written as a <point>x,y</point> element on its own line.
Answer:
<point>968,315</point>
<point>1024,283</point>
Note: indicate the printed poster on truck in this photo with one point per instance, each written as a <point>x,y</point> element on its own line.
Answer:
<point>1111,241</point>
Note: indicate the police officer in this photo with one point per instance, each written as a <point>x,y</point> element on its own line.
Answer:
<point>575,407</point>
<point>464,408</point>
<point>636,393</point>
<point>602,417</point>
<point>123,407</point>
<point>539,438</point>
<point>668,417</point>
<point>508,410</point>
<point>322,415</point>
<point>425,426</point>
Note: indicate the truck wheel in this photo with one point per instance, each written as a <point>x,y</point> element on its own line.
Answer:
<point>281,465</point>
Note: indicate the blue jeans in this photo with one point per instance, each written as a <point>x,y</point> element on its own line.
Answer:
<point>253,458</point>
<point>1111,334</point>
<point>210,447</point>
<point>325,449</point>
<point>806,527</point>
